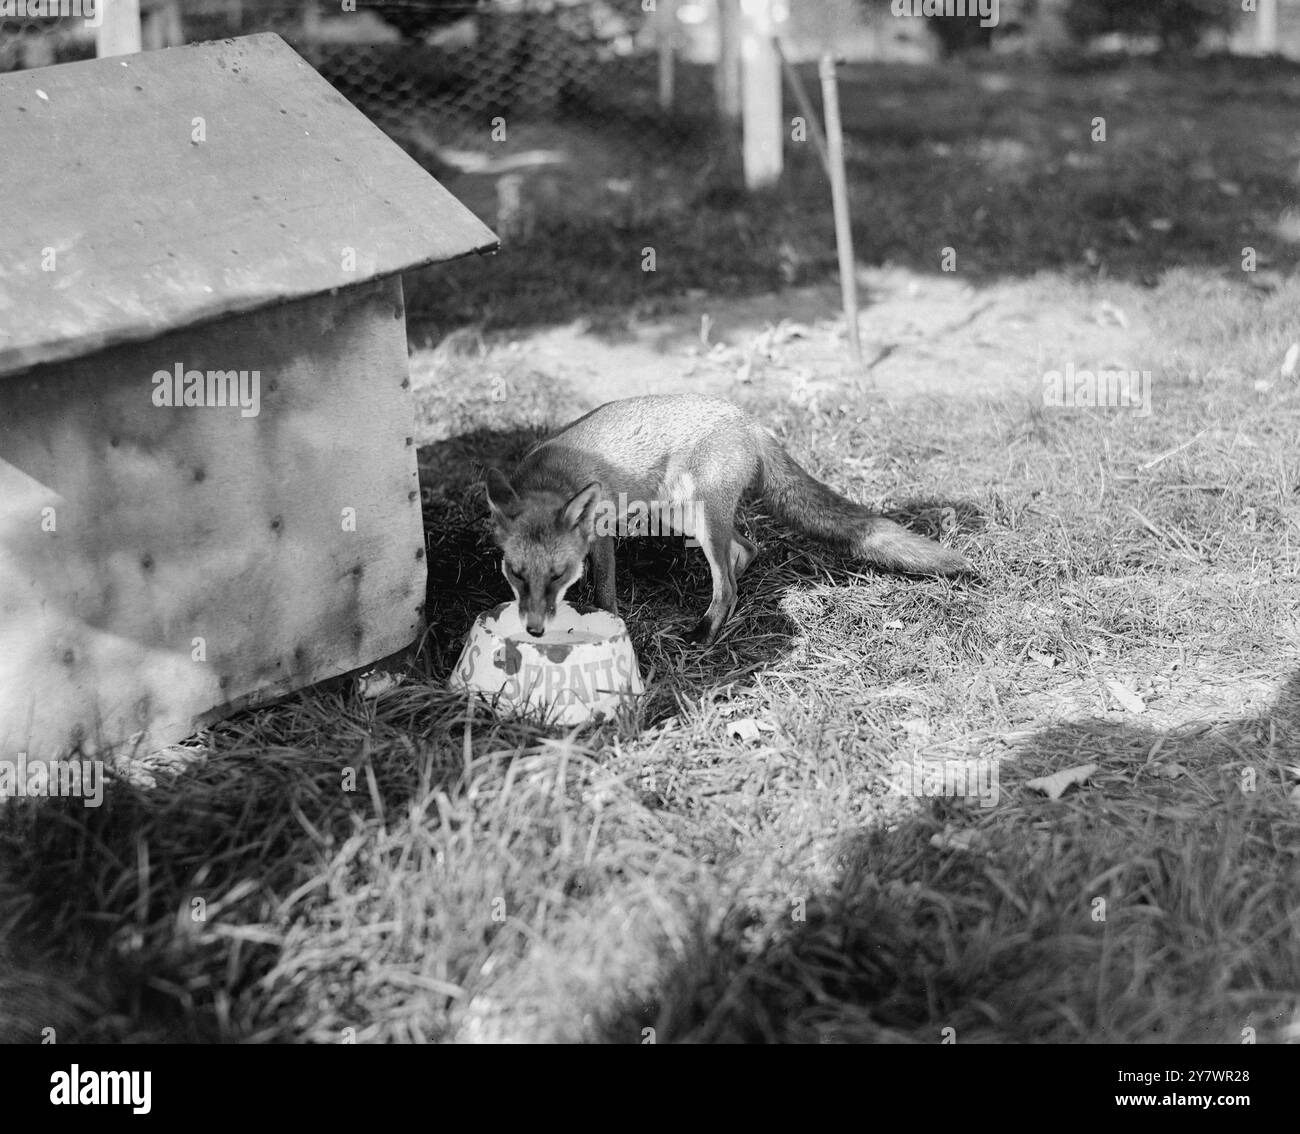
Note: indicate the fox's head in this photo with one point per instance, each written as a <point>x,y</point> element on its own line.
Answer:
<point>543,539</point>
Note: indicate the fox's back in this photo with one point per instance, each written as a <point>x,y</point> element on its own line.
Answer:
<point>645,446</point>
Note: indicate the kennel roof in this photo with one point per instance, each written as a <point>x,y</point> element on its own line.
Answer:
<point>148,192</point>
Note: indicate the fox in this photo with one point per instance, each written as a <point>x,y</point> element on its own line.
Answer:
<point>695,456</point>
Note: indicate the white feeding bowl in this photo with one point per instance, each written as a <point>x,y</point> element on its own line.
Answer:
<point>582,667</point>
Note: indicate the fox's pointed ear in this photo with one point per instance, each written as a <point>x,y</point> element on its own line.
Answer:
<point>580,512</point>
<point>502,499</point>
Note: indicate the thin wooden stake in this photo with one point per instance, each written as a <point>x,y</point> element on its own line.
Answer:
<point>666,33</point>
<point>806,108</point>
<point>840,201</point>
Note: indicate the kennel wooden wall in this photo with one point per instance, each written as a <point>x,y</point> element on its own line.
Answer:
<point>210,208</point>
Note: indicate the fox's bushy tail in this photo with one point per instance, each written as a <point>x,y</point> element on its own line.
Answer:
<point>818,510</point>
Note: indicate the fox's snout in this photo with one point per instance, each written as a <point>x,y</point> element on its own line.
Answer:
<point>536,606</point>
<point>533,615</point>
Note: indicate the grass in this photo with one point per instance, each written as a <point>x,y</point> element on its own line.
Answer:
<point>407,867</point>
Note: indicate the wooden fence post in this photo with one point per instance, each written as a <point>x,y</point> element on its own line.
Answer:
<point>764,141</point>
<point>119,33</point>
<point>1266,27</point>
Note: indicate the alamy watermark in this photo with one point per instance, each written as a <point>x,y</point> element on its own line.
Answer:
<point>973,778</point>
<point>21,778</point>
<point>987,10</point>
<point>92,11</point>
<point>647,518</point>
<point>75,1087</point>
<point>1104,389</point>
<point>181,387</point>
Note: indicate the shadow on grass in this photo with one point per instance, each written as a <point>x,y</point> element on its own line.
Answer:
<point>1140,908</point>
<point>200,902</point>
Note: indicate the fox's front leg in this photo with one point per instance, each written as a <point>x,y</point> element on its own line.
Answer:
<point>601,556</point>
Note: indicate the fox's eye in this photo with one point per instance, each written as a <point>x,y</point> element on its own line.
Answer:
<point>512,572</point>
<point>556,576</point>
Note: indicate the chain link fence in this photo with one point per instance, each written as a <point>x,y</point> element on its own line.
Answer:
<point>572,87</point>
<point>449,66</point>
<point>445,68</point>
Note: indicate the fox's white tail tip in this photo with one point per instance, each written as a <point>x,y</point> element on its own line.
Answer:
<point>895,547</point>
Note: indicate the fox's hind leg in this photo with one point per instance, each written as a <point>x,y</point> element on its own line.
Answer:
<point>714,477</point>
<point>723,551</point>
